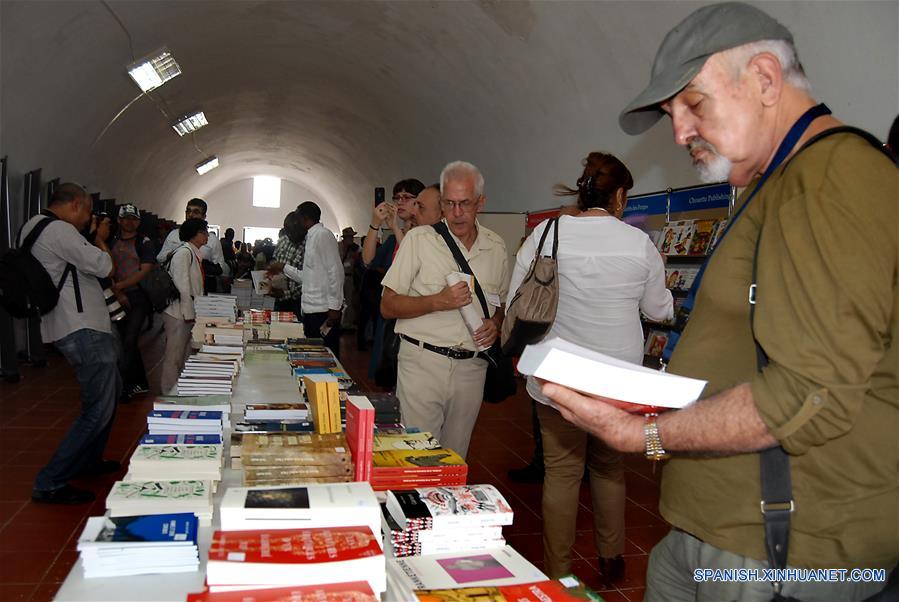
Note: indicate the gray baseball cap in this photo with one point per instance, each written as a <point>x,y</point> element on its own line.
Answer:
<point>688,46</point>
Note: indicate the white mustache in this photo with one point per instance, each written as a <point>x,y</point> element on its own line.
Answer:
<point>702,145</point>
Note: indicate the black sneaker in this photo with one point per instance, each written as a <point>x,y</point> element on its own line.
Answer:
<point>139,390</point>
<point>66,494</point>
<point>103,467</point>
<point>532,473</point>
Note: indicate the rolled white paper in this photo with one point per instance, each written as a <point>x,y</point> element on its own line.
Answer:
<point>470,314</point>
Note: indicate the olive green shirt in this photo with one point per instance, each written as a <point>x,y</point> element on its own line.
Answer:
<point>826,315</point>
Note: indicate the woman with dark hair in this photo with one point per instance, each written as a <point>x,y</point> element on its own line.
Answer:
<point>186,268</point>
<point>397,213</point>
<point>608,273</point>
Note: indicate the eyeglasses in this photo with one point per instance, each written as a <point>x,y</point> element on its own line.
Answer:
<point>467,206</point>
<point>403,197</point>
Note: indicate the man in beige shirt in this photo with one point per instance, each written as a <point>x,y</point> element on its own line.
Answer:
<point>440,378</point>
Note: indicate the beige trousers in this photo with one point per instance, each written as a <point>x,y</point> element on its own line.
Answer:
<point>440,395</point>
<point>566,450</point>
<point>177,349</point>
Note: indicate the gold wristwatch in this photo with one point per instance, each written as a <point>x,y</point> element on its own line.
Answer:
<point>654,450</point>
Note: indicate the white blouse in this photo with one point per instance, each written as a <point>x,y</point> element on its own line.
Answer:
<point>609,272</point>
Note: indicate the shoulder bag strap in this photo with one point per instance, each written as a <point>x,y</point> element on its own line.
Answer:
<point>441,229</point>
<point>774,465</point>
<point>555,226</point>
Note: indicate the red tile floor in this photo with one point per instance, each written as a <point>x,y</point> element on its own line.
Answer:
<point>37,542</point>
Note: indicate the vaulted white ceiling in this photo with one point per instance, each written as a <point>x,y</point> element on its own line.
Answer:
<point>341,96</point>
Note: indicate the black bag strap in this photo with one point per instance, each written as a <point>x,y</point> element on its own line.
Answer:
<point>443,231</point>
<point>555,225</point>
<point>774,465</point>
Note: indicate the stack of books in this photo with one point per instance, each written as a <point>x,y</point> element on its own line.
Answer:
<point>387,410</point>
<point>295,557</point>
<point>180,440</point>
<point>132,498</point>
<point>436,520</point>
<point>284,325</point>
<point>233,352</point>
<point>408,577</point>
<point>216,306</point>
<point>324,402</point>
<point>205,379</point>
<point>294,458</point>
<point>229,335</point>
<point>139,545</point>
<point>404,441</point>
<point>211,403</point>
<point>182,462</point>
<point>405,469</point>
<point>178,422</point>
<point>354,591</point>
<point>320,505</point>
<point>360,425</point>
<point>566,589</point>
<point>273,412</point>
<point>247,298</point>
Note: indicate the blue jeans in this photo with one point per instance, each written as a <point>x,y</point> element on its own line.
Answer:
<point>93,356</point>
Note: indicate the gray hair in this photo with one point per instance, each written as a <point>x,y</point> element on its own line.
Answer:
<point>462,169</point>
<point>785,52</point>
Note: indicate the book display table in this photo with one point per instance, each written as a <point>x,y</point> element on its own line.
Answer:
<point>264,377</point>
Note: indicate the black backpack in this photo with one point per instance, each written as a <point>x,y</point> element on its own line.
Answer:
<point>159,286</point>
<point>26,288</point>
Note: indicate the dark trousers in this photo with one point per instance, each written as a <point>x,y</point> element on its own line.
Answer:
<point>312,324</point>
<point>93,356</point>
<point>288,305</point>
<point>133,371</point>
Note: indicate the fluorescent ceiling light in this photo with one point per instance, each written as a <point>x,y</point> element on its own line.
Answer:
<point>190,123</point>
<point>266,191</point>
<point>154,69</point>
<point>207,165</point>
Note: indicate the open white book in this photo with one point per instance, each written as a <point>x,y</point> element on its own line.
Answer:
<point>594,373</point>
<point>261,284</point>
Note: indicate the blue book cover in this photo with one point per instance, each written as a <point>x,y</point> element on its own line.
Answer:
<point>186,415</point>
<point>304,371</point>
<point>181,440</point>
<point>148,528</point>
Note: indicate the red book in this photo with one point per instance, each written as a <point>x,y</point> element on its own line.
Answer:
<point>360,427</point>
<point>355,591</point>
<point>296,557</point>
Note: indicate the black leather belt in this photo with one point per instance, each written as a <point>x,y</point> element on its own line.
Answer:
<point>450,352</point>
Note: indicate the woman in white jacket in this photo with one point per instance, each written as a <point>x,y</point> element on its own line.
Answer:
<point>187,273</point>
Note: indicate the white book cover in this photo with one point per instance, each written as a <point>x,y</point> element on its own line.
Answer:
<point>128,498</point>
<point>503,566</point>
<point>201,455</point>
<point>594,373</point>
<point>449,508</point>
<point>300,507</point>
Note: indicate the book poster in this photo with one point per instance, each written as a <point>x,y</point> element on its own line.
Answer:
<point>469,569</point>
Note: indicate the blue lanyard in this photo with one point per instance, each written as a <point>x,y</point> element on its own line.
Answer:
<point>786,146</point>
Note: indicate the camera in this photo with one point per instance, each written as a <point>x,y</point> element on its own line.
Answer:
<point>116,311</point>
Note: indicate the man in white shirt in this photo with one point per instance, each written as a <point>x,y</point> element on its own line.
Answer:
<point>321,277</point>
<point>211,251</point>
<point>80,328</point>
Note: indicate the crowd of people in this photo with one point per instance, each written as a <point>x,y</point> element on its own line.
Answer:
<point>794,325</point>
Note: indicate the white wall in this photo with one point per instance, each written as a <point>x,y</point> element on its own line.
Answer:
<point>231,206</point>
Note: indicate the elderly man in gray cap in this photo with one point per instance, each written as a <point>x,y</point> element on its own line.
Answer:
<point>790,461</point>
